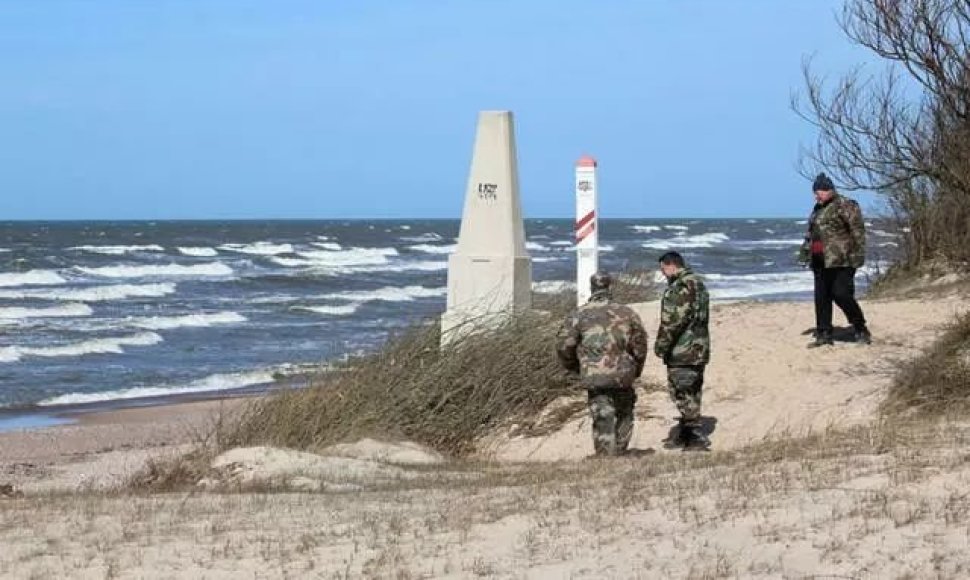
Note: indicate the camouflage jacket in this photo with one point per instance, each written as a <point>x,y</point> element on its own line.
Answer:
<point>604,342</point>
<point>839,226</point>
<point>683,338</point>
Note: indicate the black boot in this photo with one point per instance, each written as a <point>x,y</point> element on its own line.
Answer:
<point>862,335</point>
<point>696,439</point>
<point>822,338</point>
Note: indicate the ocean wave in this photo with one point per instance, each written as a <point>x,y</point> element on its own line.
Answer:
<point>4,251</point>
<point>31,278</point>
<point>187,321</point>
<point>332,246</point>
<point>388,294</point>
<point>739,286</point>
<point>259,248</point>
<point>213,383</point>
<point>426,237</point>
<point>681,241</point>
<point>535,247</point>
<point>884,234</point>
<point>93,293</point>
<point>198,252</point>
<point>553,286</point>
<point>562,243</point>
<point>431,249</point>
<point>421,266</point>
<point>93,346</point>
<point>211,269</point>
<point>63,311</point>
<point>118,250</point>
<point>645,229</point>
<point>770,243</point>
<point>349,257</point>
<point>342,310</point>
<point>676,227</point>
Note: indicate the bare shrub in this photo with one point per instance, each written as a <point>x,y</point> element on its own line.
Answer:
<point>904,134</point>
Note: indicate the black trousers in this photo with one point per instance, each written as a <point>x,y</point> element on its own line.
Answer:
<point>836,285</point>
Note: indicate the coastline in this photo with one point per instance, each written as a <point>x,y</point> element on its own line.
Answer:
<point>100,449</point>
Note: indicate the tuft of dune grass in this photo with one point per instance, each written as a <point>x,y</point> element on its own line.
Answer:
<point>937,381</point>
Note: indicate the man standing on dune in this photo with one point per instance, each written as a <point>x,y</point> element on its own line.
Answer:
<point>835,247</point>
<point>606,344</point>
<point>684,344</point>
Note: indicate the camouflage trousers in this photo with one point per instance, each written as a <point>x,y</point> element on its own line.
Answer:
<point>612,414</point>
<point>685,386</point>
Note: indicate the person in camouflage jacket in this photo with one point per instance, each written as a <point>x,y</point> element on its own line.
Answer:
<point>684,344</point>
<point>835,247</point>
<point>606,345</point>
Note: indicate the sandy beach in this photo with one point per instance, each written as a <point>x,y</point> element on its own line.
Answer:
<point>803,480</point>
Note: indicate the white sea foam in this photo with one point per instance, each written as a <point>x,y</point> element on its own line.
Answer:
<point>535,247</point>
<point>342,310</point>
<point>259,248</point>
<point>432,249</point>
<point>4,250</point>
<point>332,246</point>
<point>63,311</point>
<point>801,222</point>
<point>93,346</point>
<point>677,228</point>
<point>553,286</point>
<point>388,294</point>
<point>425,237</point>
<point>31,278</point>
<point>405,228</point>
<point>118,250</point>
<point>213,383</point>
<point>349,257</point>
<point>889,245</point>
<point>883,234</point>
<point>645,229</point>
<point>681,241</point>
<point>92,293</point>
<point>211,269</point>
<point>738,286</point>
<point>199,252</point>
<point>561,243</point>
<point>187,321</point>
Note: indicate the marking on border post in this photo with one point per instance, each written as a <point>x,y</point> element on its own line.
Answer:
<point>585,226</point>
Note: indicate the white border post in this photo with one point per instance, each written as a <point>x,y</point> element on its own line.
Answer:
<point>587,231</point>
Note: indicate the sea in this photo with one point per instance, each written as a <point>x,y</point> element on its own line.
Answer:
<point>141,312</point>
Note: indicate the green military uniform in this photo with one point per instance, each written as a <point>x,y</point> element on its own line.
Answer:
<point>605,343</point>
<point>684,343</point>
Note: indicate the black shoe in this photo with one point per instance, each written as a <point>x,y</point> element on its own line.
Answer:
<point>696,440</point>
<point>863,336</point>
<point>677,438</point>
<point>822,339</point>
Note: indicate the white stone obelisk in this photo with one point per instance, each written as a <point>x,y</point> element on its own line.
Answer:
<point>490,272</point>
<point>587,229</point>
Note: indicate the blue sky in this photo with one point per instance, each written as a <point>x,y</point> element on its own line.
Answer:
<point>126,109</point>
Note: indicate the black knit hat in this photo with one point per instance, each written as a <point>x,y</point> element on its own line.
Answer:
<point>600,281</point>
<point>822,183</point>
